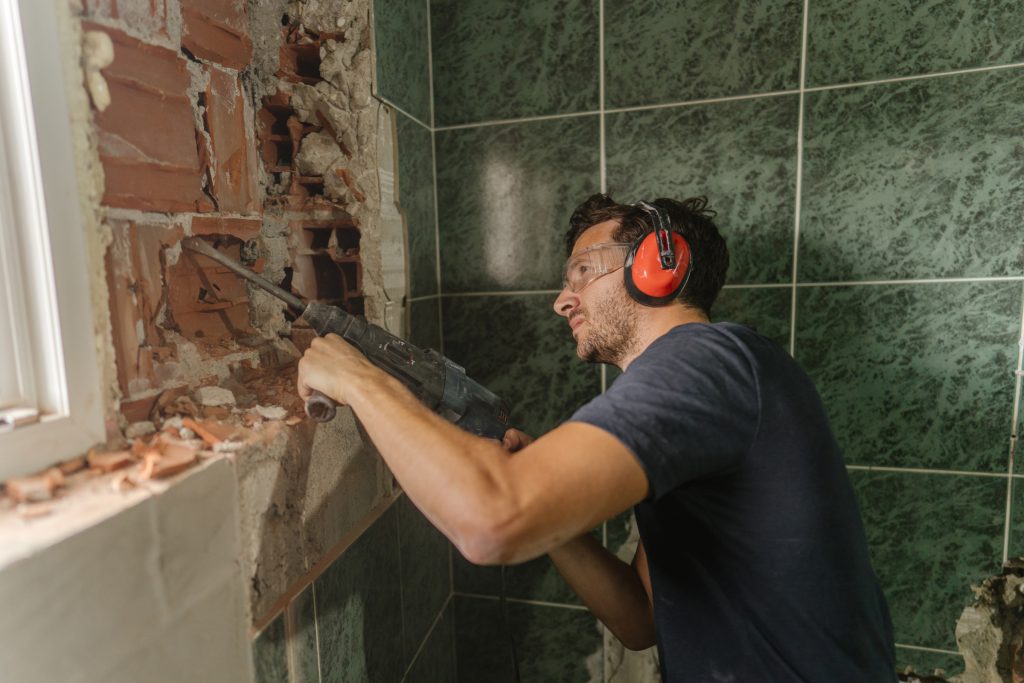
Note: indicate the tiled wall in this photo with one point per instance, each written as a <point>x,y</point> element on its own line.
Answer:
<point>380,612</point>
<point>865,161</point>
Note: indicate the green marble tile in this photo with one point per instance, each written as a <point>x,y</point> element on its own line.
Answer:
<point>516,346</point>
<point>403,71</point>
<point>765,309</point>
<point>359,609</point>
<point>931,537</point>
<point>926,663</point>
<point>426,581</point>
<point>873,39</point>
<point>740,154</point>
<point>914,375</point>
<point>416,199</point>
<point>436,661</point>
<point>501,59</point>
<point>302,638</point>
<point>269,656</point>
<point>915,179</point>
<point>659,51</point>
<point>552,643</point>
<point>505,194</point>
<point>537,579</point>
<point>425,323</point>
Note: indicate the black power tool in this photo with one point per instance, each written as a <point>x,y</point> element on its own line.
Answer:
<point>435,380</point>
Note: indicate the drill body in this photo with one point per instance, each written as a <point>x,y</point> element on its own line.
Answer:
<point>436,381</point>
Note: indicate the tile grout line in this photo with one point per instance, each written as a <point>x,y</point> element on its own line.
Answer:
<point>522,601</point>
<point>426,637</point>
<point>799,181</point>
<point>922,470</point>
<point>1014,436</point>
<point>732,98</point>
<point>386,101</point>
<point>523,119</point>
<point>838,283</point>
<point>927,649</point>
<point>401,582</point>
<point>430,67</point>
<point>316,633</point>
<point>437,243</point>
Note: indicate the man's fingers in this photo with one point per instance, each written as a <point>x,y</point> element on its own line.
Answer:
<point>515,440</point>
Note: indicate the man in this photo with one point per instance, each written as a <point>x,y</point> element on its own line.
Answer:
<point>752,564</point>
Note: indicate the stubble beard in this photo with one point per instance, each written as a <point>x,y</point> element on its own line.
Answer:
<point>611,334</point>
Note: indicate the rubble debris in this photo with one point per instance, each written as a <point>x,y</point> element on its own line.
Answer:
<point>36,487</point>
<point>214,396</point>
<point>215,412</point>
<point>137,429</point>
<point>293,420</point>
<point>108,462</point>
<point>990,631</point>
<point>271,412</point>
<point>172,458</point>
<point>174,401</point>
<point>71,466</point>
<point>212,433</point>
<point>123,481</point>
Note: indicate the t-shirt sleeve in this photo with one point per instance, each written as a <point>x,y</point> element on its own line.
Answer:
<point>687,408</point>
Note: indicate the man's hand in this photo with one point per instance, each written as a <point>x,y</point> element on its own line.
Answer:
<point>515,440</point>
<point>336,368</point>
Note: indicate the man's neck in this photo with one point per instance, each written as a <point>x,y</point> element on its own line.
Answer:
<point>658,321</point>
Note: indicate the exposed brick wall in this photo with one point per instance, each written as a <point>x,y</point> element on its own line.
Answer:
<point>192,144</point>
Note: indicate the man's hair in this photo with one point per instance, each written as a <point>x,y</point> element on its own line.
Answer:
<point>691,218</point>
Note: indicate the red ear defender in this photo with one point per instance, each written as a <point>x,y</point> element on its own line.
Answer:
<point>659,263</point>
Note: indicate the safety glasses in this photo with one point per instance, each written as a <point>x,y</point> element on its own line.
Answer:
<point>583,268</point>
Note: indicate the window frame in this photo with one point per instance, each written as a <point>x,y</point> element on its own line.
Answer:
<point>54,274</point>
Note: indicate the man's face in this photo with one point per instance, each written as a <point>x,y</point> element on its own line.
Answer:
<point>602,316</point>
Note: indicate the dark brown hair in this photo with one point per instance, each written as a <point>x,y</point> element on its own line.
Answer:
<point>691,218</point>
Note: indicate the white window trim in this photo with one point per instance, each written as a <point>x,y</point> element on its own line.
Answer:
<point>57,288</point>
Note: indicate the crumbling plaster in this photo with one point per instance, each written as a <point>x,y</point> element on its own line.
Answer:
<point>286,499</point>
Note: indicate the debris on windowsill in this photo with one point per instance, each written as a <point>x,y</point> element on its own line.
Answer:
<point>34,488</point>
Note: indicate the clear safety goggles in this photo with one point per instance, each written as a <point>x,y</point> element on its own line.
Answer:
<point>586,266</point>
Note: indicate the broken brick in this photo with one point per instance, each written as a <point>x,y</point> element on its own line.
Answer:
<point>71,466</point>
<point>212,433</point>
<point>217,31</point>
<point>234,169</point>
<point>207,300</point>
<point>108,462</point>
<point>136,282</point>
<point>171,459</point>
<point>34,488</point>
<point>147,136</point>
<point>242,228</point>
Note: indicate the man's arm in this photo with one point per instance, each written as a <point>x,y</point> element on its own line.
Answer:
<point>496,509</point>
<point>617,593</point>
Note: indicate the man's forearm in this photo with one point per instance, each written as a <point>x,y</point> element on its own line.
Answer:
<point>452,476</point>
<point>608,586</point>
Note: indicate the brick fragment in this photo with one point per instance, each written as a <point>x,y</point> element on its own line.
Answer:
<point>217,31</point>
<point>170,459</point>
<point>34,488</point>
<point>108,462</point>
<point>234,168</point>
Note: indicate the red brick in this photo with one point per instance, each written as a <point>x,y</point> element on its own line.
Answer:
<point>242,228</point>
<point>217,31</point>
<point>208,301</point>
<point>147,137</point>
<point>234,171</point>
<point>136,283</point>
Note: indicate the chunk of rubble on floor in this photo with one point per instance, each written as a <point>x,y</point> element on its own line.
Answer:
<point>109,461</point>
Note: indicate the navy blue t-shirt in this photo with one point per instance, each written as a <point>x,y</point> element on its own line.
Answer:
<point>758,561</point>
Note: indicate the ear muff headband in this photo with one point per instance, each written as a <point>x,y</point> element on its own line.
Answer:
<point>659,263</point>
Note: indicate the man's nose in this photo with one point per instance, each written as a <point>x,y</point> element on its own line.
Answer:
<point>566,302</point>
